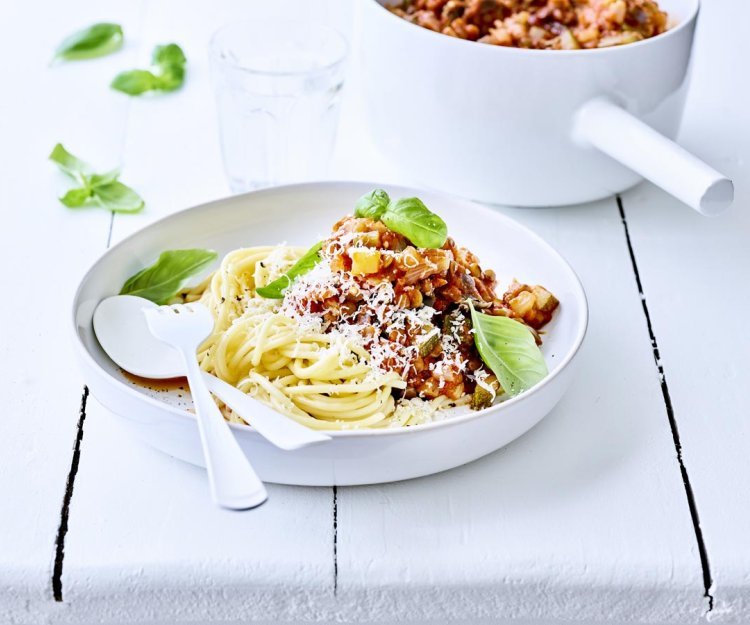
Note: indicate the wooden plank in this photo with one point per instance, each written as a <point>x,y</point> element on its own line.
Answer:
<point>146,542</point>
<point>584,518</point>
<point>44,249</point>
<point>694,274</point>
<point>145,539</point>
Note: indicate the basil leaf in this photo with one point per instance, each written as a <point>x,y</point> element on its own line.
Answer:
<point>96,180</point>
<point>172,79</point>
<point>96,40</point>
<point>411,218</point>
<point>169,62</point>
<point>275,290</point>
<point>170,59</point>
<point>161,281</point>
<point>135,82</point>
<point>372,204</point>
<point>102,190</point>
<point>67,162</point>
<point>169,56</point>
<point>75,198</point>
<point>117,197</point>
<point>508,348</point>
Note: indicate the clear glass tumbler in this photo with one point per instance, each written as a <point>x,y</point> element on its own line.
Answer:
<point>278,87</point>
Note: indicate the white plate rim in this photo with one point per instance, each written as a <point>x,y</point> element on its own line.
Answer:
<point>581,327</point>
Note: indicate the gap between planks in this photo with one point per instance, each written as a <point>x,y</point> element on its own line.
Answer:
<point>62,529</point>
<point>335,542</point>
<point>705,567</point>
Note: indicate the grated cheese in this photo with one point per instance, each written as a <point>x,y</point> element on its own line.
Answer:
<point>376,320</point>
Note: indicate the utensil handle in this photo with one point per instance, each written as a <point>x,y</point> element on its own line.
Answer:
<point>277,428</point>
<point>234,484</point>
<point>624,137</point>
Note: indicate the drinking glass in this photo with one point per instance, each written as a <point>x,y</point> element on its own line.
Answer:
<point>278,87</point>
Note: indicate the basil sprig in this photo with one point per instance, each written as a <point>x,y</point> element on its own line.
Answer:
<point>508,348</point>
<point>407,216</point>
<point>169,73</point>
<point>103,190</point>
<point>372,204</point>
<point>96,40</point>
<point>410,217</point>
<point>161,281</point>
<point>275,289</point>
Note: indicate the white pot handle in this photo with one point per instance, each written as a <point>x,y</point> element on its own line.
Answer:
<point>636,145</point>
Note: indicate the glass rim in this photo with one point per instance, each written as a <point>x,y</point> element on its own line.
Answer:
<point>340,58</point>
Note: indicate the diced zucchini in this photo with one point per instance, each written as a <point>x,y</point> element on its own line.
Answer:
<point>545,301</point>
<point>428,344</point>
<point>481,398</point>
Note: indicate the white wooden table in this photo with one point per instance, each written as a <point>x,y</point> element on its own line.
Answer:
<point>628,503</point>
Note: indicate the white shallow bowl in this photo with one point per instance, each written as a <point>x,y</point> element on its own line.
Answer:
<point>301,215</point>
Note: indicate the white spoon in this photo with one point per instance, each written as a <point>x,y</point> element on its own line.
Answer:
<point>122,332</point>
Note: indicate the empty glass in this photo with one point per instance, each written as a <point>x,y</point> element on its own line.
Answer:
<point>278,86</point>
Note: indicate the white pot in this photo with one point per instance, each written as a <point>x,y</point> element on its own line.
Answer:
<point>535,127</point>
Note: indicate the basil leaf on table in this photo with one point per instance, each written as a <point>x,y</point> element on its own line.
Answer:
<point>275,289</point>
<point>412,219</point>
<point>171,61</point>
<point>117,197</point>
<point>70,164</point>
<point>169,57</point>
<point>169,64</point>
<point>161,281</point>
<point>94,41</point>
<point>508,348</point>
<point>75,198</point>
<point>101,179</point>
<point>372,205</point>
<point>103,190</point>
<point>135,82</point>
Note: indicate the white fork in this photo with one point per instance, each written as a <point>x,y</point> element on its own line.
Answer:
<point>233,481</point>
